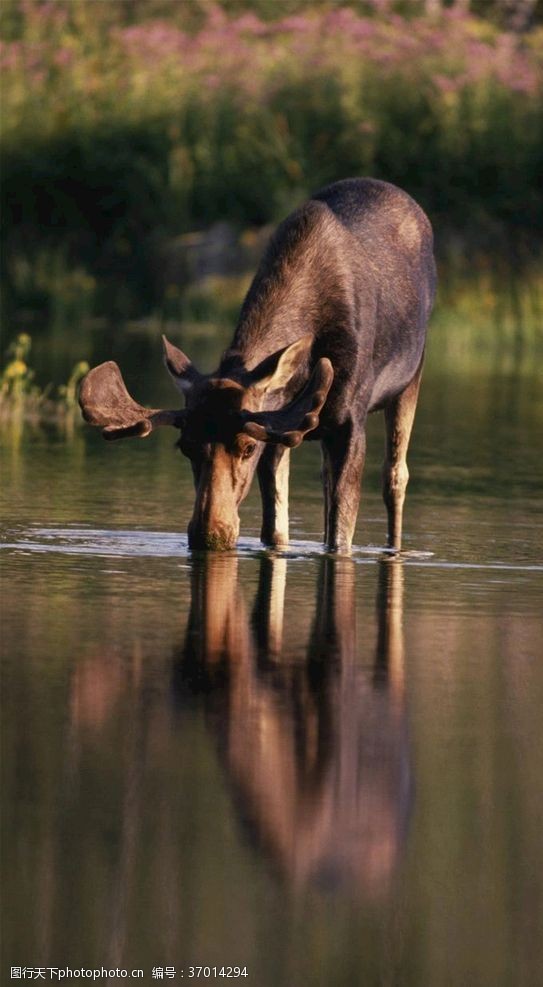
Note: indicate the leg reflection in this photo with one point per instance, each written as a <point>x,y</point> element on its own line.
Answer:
<point>316,751</point>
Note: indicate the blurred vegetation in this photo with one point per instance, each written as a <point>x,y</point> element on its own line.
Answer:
<point>21,399</point>
<point>126,124</point>
<point>504,314</point>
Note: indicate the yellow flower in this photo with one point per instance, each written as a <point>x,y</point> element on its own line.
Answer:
<point>17,368</point>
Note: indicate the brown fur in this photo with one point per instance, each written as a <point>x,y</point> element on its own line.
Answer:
<point>333,328</point>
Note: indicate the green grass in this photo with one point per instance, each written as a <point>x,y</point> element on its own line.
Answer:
<point>22,400</point>
<point>118,136</point>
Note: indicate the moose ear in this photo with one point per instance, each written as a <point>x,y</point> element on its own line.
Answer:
<point>179,366</point>
<point>289,425</point>
<point>275,371</point>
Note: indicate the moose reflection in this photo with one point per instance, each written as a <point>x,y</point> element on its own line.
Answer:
<point>316,750</point>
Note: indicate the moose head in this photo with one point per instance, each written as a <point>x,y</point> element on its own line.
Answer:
<point>228,419</point>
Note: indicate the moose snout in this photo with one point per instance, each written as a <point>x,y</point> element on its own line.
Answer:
<point>219,538</point>
<point>215,521</point>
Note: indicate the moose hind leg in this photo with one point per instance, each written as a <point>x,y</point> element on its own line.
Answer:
<point>273,473</point>
<point>399,417</point>
<point>342,465</point>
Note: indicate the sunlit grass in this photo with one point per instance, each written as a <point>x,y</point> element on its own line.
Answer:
<point>492,318</point>
<point>117,136</point>
<point>22,400</point>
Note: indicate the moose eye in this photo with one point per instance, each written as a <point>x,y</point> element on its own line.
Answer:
<point>248,450</point>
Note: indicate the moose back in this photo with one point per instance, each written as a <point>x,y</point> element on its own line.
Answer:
<point>333,327</point>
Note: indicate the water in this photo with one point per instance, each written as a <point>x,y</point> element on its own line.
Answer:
<point>325,770</point>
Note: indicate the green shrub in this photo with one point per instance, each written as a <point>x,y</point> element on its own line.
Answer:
<point>115,129</point>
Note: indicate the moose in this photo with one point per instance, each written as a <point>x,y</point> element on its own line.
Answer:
<point>333,327</point>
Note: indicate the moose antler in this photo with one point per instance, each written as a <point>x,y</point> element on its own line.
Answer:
<point>288,426</point>
<point>105,401</point>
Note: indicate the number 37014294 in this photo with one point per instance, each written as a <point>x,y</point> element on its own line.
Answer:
<point>217,971</point>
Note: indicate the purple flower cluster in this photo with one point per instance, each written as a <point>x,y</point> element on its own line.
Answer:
<point>455,52</point>
<point>440,58</point>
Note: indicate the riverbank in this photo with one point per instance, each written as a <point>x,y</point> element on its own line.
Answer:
<point>118,136</point>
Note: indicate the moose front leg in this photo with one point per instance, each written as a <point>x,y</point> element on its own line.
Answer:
<point>273,471</point>
<point>343,462</point>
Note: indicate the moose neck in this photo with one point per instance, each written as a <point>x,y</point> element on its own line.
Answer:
<point>302,284</point>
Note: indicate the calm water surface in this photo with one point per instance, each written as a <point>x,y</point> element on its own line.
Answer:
<point>327,770</point>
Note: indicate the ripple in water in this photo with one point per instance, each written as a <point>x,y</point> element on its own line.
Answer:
<point>166,544</point>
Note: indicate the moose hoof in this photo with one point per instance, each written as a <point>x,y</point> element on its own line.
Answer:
<point>274,539</point>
